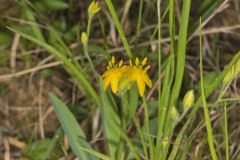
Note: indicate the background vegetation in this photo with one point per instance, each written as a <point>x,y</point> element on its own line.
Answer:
<point>41,52</point>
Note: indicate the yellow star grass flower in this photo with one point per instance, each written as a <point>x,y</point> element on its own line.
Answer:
<point>120,76</point>
<point>138,73</point>
<point>113,74</point>
<point>93,8</point>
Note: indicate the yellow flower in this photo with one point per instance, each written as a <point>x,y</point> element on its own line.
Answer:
<point>188,99</point>
<point>84,38</point>
<point>113,74</point>
<point>121,76</point>
<point>93,8</point>
<point>138,73</point>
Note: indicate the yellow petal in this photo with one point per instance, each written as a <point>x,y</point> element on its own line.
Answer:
<point>110,64</point>
<point>137,61</point>
<point>130,62</point>
<point>147,68</point>
<point>147,80</point>
<point>113,60</point>
<point>105,74</point>
<point>120,63</point>
<point>144,61</point>
<point>141,86</point>
<point>114,84</point>
<point>106,82</point>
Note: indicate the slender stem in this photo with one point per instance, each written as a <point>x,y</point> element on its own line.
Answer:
<point>85,50</point>
<point>141,136</point>
<point>85,47</point>
<point>89,25</point>
<point>147,127</point>
<point>139,19</point>
<point>205,106</point>
<point>159,74</point>
<point>226,131</point>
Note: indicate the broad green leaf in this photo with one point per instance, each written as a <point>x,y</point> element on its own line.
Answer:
<point>44,5</point>
<point>72,129</point>
<point>37,150</point>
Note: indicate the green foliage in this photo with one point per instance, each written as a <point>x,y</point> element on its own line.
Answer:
<point>129,132</point>
<point>45,5</point>
<point>74,133</point>
<point>111,122</point>
<point>37,150</point>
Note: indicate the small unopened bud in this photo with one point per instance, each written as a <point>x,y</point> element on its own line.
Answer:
<point>84,38</point>
<point>93,8</point>
<point>188,99</point>
<point>174,113</point>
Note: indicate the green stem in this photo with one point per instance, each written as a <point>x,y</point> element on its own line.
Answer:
<point>226,131</point>
<point>85,50</point>
<point>205,106</point>
<point>89,25</point>
<point>147,127</point>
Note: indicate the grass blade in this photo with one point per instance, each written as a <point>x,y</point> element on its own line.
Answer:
<point>181,50</point>
<point>205,106</point>
<point>70,126</point>
<point>226,131</point>
<point>119,27</point>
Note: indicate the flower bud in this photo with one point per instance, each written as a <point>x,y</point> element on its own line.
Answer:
<point>174,113</point>
<point>84,38</point>
<point>188,99</point>
<point>93,8</point>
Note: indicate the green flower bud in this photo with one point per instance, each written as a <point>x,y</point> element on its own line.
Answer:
<point>188,99</point>
<point>84,38</point>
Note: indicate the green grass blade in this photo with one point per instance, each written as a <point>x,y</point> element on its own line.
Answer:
<point>226,131</point>
<point>119,27</point>
<point>181,50</point>
<point>70,126</point>
<point>205,106</point>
